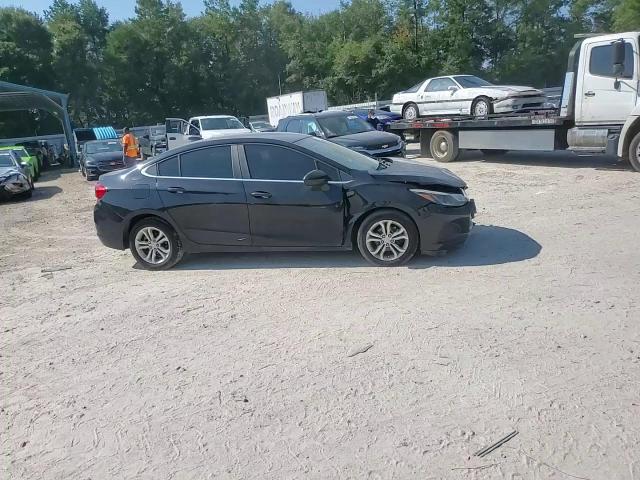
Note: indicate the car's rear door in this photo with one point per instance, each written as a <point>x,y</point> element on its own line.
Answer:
<point>203,193</point>
<point>283,211</point>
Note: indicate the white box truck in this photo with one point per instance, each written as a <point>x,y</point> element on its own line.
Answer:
<point>288,104</point>
<point>599,111</point>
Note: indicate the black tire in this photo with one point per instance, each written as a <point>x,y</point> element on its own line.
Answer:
<point>478,102</point>
<point>90,178</point>
<point>494,153</point>
<point>634,152</point>
<point>408,109</point>
<point>175,246</point>
<point>444,146</point>
<point>372,223</point>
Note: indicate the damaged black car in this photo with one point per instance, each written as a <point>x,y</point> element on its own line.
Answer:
<point>280,192</point>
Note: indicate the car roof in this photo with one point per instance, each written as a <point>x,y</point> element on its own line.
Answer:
<point>324,114</point>
<point>13,147</point>
<point>253,137</point>
<point>212,116</point>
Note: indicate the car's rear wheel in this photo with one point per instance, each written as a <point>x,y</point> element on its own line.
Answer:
<point>410,111</point>
<point>388,238</point>
<point>155,245</point>
<point>634,152</point>
<point>481,107</point>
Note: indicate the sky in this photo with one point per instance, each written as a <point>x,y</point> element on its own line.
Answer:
<point>122,9</point>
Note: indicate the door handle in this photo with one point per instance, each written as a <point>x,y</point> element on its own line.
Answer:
<point>175,190</point>
<point>261,194</point>
<point>172,138</point>
<point>590,94</point>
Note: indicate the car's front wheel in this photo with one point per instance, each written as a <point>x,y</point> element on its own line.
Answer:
<point>155,245</point>
<point>388,238</point>
<point>481,107</point>
<point>634,152</point>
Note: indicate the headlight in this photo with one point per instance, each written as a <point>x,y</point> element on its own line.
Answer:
<point>442,198</point>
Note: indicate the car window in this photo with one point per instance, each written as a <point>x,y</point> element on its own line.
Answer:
<point>310,127</point>
<point>212,162</point>
<point>339,125</point>
<point>273,162</point>
<point>293,126</point>
<point>169,168</point>
<point>333,172</point>
<point>601,61</point>
<point>221,123</point>
<point>175,126</point>
<point>440,85</point>
<point>339,154</point>
<point>21,153</point>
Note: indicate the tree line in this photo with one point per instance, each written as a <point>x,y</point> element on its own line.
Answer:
<point>231,57</point>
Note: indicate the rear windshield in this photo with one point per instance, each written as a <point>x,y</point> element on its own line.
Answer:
<point>113,146</point>
<point>220,123</point>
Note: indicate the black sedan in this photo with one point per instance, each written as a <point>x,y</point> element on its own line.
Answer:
<point>100,156</point>
<point>280,191</point>
<point>346,129</point>
<point>15,177</point>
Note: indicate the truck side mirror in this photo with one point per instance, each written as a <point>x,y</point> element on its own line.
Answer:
<point>618,57</point>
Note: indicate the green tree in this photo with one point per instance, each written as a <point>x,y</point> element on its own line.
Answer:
<point>627,16</point>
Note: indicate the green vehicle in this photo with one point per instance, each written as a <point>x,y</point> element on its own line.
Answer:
<point>24,156</point>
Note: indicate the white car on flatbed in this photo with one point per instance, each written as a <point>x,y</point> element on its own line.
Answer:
<point>464,95</point>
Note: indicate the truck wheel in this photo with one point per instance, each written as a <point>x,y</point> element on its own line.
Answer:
<point>481,107</point>
<point>444,146</point>
<point>410,111</point>
<point>634,152</point>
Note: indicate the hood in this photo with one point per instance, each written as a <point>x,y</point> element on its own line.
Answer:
<point>511,89</point>
<point>372,139</point>
<point>104,156</point>
<point>414,172</point>
<point>6,171</point>
<point>223,133</point>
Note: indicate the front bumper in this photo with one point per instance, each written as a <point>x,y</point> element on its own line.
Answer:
<point>517,104</point>
<point>445,228</point>
<point>397,150</point>
<point>97,170</point>
<point>14,186</point>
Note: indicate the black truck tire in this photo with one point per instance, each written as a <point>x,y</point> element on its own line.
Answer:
<point>444,146</point>
<point>634,152</point>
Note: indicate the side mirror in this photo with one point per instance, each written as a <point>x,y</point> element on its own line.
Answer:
<point>452,88</point>
<point>618,57</point>
<point>194,138</point>
<point>316,179</point>
<point>315,133</point>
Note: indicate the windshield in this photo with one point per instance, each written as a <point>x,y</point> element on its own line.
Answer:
<point>339,154</point>
<point>225,123</point>
<point>101,147</point>
<point>21,152</point>
<point>469,81</point>
<point>339,125</point>
<point>158,131</point>
<point>6,161</point>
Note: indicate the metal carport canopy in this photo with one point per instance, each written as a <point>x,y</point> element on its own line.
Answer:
<point>14,97</point>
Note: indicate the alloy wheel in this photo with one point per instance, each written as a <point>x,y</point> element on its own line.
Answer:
<point>153,245</point>
<point>481,109</point>
<point>387,240</point>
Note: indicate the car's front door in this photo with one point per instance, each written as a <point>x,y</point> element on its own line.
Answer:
<point>283,211</point>
<point>180,132</point>
<point>438,98</point>
<point>203,193</point>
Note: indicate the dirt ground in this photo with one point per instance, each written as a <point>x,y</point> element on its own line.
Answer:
<point>247,366</point>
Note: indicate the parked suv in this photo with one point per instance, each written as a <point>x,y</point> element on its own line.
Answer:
<point>153,141</point>
<point>346,129</point>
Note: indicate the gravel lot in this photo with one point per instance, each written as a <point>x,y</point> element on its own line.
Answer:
<point>247,366</point>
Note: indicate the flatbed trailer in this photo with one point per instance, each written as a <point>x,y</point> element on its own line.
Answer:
<point>599,112</point>
<point>443,138</point>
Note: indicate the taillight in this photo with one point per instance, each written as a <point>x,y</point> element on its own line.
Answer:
<point>100,190</point>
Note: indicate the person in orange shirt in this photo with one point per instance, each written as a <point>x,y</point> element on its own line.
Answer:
<point>130,148</point>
